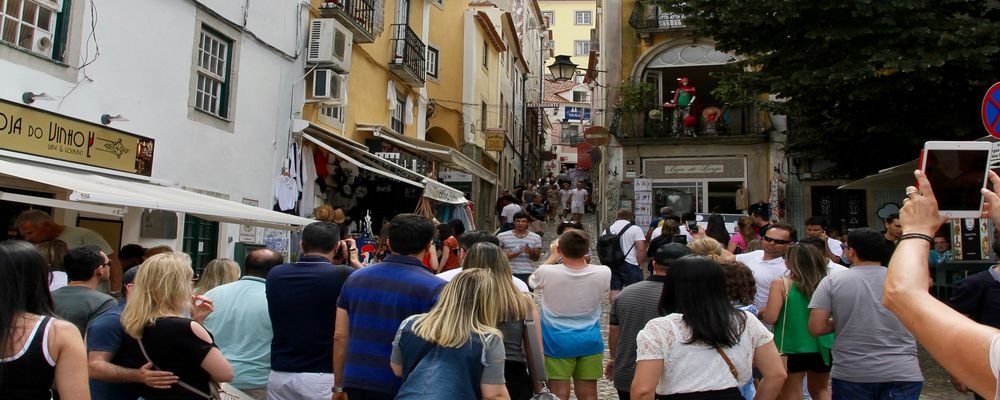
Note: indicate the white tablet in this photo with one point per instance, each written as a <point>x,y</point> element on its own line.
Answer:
<point>957,173</point>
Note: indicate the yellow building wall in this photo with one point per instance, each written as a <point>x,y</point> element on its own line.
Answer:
<point>565,31</point>
<point>446,91</point>
<point>368,79</point>
<point>633,47</point>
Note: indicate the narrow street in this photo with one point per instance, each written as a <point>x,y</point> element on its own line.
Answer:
<point>936,379</point>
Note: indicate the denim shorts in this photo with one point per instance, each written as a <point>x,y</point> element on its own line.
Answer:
<point>625,275</point>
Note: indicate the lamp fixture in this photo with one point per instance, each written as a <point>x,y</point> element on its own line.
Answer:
<point>30,97</point>
<point>563,69</point>
<point>107,118</point>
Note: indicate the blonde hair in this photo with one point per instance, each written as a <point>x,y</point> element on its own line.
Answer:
<point>807,267</point>
<point>708,247</point>
<point>512,304</point>
<point>468,304</point>
<point>218,272</point>
<point>162,287</point>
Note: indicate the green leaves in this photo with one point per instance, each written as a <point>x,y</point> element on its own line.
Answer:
<point>864,82</point>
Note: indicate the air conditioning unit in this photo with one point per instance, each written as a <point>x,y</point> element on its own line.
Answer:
<point>42,43</point>
<point>330,44</point>
<point>54,5</point>
<point>328,85</point>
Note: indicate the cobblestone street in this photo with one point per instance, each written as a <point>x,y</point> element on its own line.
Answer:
<point>936,384</point>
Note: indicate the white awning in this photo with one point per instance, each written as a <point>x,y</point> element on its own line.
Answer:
<point>87,187</point>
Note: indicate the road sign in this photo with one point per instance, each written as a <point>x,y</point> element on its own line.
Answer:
<point>494,140</point>
<point>991,110</point>
<point>597,136</point>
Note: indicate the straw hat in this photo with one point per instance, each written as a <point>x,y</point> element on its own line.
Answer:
<point>323,213</point>
<point>338,216</point>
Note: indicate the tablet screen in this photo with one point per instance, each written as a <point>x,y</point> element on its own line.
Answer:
<point>957,177</point>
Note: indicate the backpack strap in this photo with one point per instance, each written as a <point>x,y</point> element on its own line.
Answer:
<point>622,232</point>
<point>180,383</point>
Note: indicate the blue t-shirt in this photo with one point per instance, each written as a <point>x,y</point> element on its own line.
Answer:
<point>107,334</point>
<point>377,299</point>
<point>301,302</point>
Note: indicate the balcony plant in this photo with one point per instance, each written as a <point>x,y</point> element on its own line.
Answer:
<point>635,99</point>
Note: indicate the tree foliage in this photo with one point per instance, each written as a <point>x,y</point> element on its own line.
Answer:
<point>863,82</point>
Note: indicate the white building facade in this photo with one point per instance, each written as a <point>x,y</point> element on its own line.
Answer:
<point>208,88</point>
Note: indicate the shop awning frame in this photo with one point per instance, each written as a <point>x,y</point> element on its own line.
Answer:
<point>89,188</point>
<point>447,155</point>
<point>437,191</point>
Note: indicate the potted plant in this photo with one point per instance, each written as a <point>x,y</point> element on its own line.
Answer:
<point>635,99</point>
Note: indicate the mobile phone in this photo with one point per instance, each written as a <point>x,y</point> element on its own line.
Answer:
<point>957,173</point>
<point>679,239</point>
<point>693,226</point>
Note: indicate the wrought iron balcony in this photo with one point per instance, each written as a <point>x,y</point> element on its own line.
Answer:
<point>729,125</point>
<point>648,18</point>
<point>362,17</point>
<point>408,62</point>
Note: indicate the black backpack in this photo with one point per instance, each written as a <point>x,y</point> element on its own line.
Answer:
<point>609,247</point>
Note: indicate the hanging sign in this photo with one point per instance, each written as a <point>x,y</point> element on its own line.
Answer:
<point>441,192</point>
<point>42,133</point>
<point>494,140</point>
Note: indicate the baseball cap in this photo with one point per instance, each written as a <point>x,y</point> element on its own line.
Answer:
<point>670,252</point>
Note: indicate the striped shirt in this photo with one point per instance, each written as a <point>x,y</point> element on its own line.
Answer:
<point>377,299</point>
<point>632,309</point>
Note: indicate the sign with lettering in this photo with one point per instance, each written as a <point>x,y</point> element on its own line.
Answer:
<point>248,233</point>
<point>694,169</point>
<point>441,192</point>
<point>577,113</point>
<point>494,140</point>
<point>42,133</point>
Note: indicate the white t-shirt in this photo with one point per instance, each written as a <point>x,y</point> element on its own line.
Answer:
<point>563,196</point>
<point>629,239</point>
<point>508,212</point>
<point>57,280</point>
<point>695,367</point>
<point>763,272</point>
<point>577,196</point>
<point>833,268</point>
<point>452,273</point>
<point>569,291</point>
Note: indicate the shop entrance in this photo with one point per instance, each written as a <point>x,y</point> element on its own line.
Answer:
<point>9,211</point>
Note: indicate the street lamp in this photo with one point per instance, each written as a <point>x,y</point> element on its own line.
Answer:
<point>562,69</point>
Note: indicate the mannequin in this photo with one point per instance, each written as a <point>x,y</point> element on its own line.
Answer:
<point>684,98</point>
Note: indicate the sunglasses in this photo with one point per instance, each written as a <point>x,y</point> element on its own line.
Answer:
<point>776,241</point>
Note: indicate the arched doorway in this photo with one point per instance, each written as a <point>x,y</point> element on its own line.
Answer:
<point>441,136</point>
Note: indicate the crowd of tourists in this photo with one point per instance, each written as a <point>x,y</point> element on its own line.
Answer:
<point>752,314</point>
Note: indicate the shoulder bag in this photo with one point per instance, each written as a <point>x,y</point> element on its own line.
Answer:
<point>784,317</point>
<point>536,360</point>
<point>223,391</point>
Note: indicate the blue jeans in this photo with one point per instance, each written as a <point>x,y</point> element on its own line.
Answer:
<point>876,391</point>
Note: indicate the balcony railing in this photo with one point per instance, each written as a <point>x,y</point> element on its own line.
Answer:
<point>362,17</point>
<point>650,18</point>
<point>408,62</point>
<point>730,122</point>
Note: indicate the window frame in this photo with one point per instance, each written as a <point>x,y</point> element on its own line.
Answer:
<point>576,47</point>
<point>202,21</point>
<point>224,80</point>
<point>486,54</point>
<point>397,119</point>
<point>433,73</point>
<point>551,17</point>
<point>483,116</point>
<point>589,16</point>
<point>21,25</point>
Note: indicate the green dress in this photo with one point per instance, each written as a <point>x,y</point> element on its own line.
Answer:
<point>791,330</point>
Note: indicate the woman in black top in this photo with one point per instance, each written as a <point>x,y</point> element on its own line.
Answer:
<point>37,351</point>
<point>161,293</point>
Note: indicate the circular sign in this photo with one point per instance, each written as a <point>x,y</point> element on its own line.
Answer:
<point>597,136</point>
<point>991,110</point>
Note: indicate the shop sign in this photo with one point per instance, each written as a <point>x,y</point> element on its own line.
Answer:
<point>248,233</point>
<point>494,140</point>
<point>577,113</point>
<point>42,133</point>
<point>694,169</point>
<point>441,192</point>
<point>455,176</point>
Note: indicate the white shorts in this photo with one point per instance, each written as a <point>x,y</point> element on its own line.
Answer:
<point>299,386</point>
<point>577,209</point>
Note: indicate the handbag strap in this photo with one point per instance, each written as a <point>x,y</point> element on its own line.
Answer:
<point>533,351</point>
<point>784,315</point>
<point>179,382</point>
<point>732,368</point>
